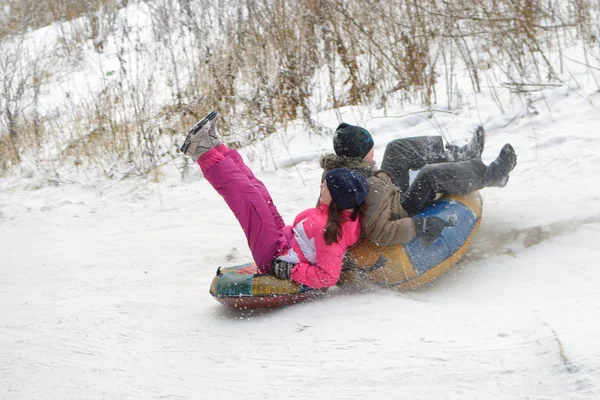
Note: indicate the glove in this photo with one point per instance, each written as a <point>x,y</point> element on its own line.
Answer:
<point>282,269</point>
<point>428,229</point>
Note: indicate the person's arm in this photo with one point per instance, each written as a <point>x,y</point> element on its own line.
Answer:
<point>381,226</point>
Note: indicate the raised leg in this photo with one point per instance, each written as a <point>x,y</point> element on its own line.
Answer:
<point>403,155</point>
<point>448,178</point>
<point>255,214</point>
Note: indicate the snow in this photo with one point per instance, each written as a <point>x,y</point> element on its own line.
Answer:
<point>104,284</point>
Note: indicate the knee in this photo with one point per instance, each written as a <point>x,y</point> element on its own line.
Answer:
<point>389,150</point>
<point>395,145</point>
<point>396,152</point>
<point>427,170</point>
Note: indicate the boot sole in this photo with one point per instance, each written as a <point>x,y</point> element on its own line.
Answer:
<point>195,129</point>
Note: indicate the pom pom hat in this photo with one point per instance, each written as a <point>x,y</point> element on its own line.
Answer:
<point>348,188</point>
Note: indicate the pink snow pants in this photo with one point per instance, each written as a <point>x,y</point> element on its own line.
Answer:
<point>250,202</point>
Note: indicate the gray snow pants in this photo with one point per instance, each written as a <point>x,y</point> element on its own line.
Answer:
<point>436,175</point>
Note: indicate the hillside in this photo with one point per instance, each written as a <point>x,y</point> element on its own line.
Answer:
<point>105,265</point>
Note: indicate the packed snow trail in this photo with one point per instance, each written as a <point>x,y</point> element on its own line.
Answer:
<point>104,289</point>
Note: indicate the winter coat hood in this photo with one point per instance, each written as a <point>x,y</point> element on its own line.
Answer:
<point>331,161</point>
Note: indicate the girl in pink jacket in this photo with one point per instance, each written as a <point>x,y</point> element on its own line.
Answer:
<point>310,251</point>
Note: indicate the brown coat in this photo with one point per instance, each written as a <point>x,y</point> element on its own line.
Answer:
<point>384,220</point>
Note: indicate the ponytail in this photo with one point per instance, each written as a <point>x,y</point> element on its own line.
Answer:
<point>356,211</point>
<point>333,228</point>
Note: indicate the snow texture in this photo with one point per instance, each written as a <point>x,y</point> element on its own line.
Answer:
<point>104,284</point>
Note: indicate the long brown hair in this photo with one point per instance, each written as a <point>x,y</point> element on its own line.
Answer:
<point>333,228</point>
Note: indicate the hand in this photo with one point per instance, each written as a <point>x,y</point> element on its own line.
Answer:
<point>428,229</point>
<point>282,269</point>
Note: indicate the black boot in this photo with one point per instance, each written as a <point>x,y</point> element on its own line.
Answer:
<point>498,171</point>
<point>470,151</point>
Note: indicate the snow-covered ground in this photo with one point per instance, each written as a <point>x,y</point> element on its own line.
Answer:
<point>104,285</point>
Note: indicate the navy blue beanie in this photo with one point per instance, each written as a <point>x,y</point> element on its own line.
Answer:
<point>352,141</point>
<point>348,188</point>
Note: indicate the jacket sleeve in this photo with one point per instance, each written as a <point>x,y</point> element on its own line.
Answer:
<point>328,267</point>
<point>380,224</point>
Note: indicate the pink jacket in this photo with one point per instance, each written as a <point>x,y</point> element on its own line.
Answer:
<point>318,265</point>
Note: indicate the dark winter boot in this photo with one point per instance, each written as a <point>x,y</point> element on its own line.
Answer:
<point>202,137</point>
<point>470,151</point>
<point>498,171</point>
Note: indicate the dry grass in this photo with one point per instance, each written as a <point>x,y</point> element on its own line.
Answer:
<point>19,15</point>
<point>255,61</point>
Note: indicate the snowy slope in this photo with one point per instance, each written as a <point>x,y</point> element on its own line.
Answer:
<point>104,285</point>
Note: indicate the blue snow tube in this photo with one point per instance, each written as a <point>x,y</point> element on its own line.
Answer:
<point>410,265</point>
